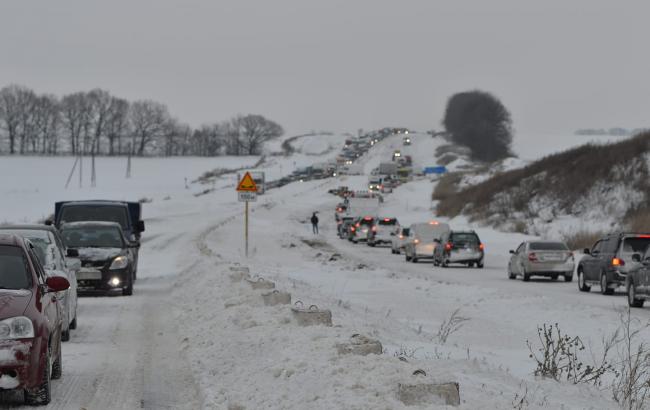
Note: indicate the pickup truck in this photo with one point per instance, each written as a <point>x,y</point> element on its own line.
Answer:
<point>127,214</point>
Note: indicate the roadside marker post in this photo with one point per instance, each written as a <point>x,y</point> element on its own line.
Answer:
<point>247,192</point>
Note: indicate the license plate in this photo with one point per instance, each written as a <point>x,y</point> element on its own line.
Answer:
<point>89,274</point>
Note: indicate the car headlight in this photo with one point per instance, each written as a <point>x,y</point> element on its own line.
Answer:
<point>18,327</point>
<point>120,262</point>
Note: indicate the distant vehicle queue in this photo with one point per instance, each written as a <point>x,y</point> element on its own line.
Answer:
<point>88,246</point>
<point>614,261</point>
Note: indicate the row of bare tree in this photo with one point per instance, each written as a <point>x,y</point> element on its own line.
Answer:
<point>96,122</point>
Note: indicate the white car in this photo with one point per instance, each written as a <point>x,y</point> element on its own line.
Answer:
<point>382,231</point>
<point>398,241</point>
<point>423,239</point>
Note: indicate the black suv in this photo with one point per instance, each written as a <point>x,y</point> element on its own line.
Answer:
<point>607,263</point>
<point>637,282</point>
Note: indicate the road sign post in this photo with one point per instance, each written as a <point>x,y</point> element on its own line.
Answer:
<point>247,192</point>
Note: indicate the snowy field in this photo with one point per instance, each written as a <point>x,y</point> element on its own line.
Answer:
<point>192,338</point>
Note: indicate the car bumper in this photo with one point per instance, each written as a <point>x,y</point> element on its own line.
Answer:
<point>20,366</point>
<point>464,256</point>
<point>87,283</point>
<point>424,251</point>
<point>550,268</point>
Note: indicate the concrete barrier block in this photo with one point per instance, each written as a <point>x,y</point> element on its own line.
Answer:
<point>429,394</point>
<point>311,316</point>
<point>239,273</point>
<point>261,283</point>
<point>276,298</point>
<point>360,345</point>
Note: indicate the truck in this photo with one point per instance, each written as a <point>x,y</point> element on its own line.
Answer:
<point>127,214</point>
<point>358,207</point>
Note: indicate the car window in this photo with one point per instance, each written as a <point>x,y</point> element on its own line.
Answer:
<point>388,221</point>
<point>81,213</point>
<point>634,245</point>
<point>548,246</point>
<point>521,247</point>
<point>92,237</point>
<point>40,274</point>
<point>14,271</point>
<point>597,247</point>
<point>610,245</point>
<point>461,239</point>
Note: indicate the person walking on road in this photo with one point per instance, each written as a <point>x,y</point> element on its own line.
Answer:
<point>314,223</point>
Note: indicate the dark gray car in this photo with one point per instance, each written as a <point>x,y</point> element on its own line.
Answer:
<point>607,262</point>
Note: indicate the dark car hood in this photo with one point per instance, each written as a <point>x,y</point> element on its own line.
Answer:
<point>99,254</point>
<point>13,302</point>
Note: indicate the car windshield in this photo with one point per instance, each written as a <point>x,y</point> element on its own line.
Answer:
<point>40,240</point>
<point>82,213</point>
<point>92,237</point>
<point>635,245</point>
<point>461,239</point>
<point>548,246</point>
<point>13,268</point>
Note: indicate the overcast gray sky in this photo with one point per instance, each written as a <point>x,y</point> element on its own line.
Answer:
<point>340,65</point>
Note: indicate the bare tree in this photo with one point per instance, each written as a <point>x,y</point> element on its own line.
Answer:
<point>117,124</point>
<point>15,113</point>
<point>148,120</point>
<point>74,113</point>
<point>47,117</point>
<point>100,108</point>
<point>255,130</point>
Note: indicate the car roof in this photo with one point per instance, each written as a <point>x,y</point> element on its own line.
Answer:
<point>90,224</point>
<point>465,231</point>
<point>30,227</point>
<point>10,240</point>
<point>96,202</point>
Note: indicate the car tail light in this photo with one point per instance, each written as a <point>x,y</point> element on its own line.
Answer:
<point>339,209</point>
<point>416,241</point>
<point>448,246</point>
<point>368,218</point>
<point>532,257</point>
<point>374,228</point>
<point>352,229</point>
<point>643,236</point>
<point>401,236</point>
<point>386,219</point>
<point>481,247</point>
<point>618,262</point>
<point>358,224</point>
<point>433,223</point>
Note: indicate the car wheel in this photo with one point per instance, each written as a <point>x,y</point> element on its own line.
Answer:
<point>554,277</point>
<point>398,252</point>
<point>568,277</point>
<point>526,276</point>
<point>371,244</point>
<point>128,289</point>
<point>73,324</point>
<point>470,264</point>
<point>479,265</point>
<point>603,285</point>
<point>65,335</point>
<point>510,274</point>
<point>632,301</point>
<point>414,259</point>
<point>57,366</point>
<point>582,284</point>
<point>42,394</point>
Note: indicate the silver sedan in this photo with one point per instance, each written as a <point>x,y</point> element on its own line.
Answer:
<point>541,258</point>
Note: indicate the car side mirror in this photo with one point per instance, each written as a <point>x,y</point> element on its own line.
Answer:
<point>512,252</point>
<point>140,226</point>
<point>57,284</point>
<point>586,251</point>
<point>72,253</point>
<point>636,257</point>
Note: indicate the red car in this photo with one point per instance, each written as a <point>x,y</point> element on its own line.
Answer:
<point>31,321</point>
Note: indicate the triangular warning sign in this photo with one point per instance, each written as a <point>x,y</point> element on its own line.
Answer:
<point>247,184</point>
